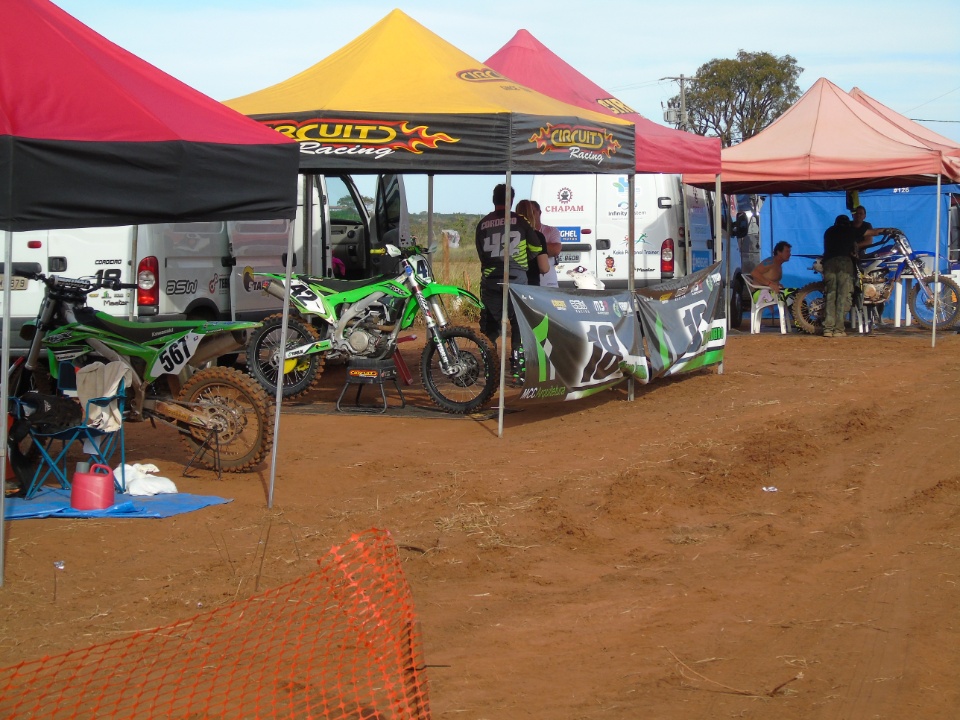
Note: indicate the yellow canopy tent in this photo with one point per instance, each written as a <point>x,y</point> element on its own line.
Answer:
<point>399,98</point>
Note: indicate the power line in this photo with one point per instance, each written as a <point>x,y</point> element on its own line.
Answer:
<point>933,100</point>
<point>635,86</point>
<point>925,120</point>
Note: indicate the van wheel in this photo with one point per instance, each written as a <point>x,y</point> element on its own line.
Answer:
<point>735,317</point>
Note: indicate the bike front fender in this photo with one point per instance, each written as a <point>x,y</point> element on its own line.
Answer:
<point>437,289</point>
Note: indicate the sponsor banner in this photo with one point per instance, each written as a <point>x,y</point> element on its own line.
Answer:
<point>485,143</point>
<point>681,322</point>
<point>576,342</point>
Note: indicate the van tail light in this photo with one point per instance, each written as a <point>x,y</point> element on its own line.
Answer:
<point>666,257</point>
<point>148,282</point>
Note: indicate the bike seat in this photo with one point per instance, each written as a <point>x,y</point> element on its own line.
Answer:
<point>338,286</point>
<point>138,332</point>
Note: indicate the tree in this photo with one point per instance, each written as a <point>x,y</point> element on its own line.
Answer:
<point>736,99</point>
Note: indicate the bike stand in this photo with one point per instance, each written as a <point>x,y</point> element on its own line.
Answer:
<point>362,372</point>
<point>215,437</point>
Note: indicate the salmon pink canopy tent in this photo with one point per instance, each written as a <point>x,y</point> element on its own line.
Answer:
<point>829,140</point>
<point>936,141</point>
<point>659,149</point>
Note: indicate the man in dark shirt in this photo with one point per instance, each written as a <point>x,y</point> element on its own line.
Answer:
<point>490,246</point>
<point>839,251</point>
<point>861,226</point>
<point>841,243</point>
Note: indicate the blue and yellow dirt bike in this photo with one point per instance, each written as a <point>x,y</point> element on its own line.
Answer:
<point>224,417</point>
<point>880,268</point>
<point>344,319</point>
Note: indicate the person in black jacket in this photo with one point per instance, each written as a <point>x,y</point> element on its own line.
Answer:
<point>490,244</point>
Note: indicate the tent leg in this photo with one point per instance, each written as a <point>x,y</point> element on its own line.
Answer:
<point>504,335</point>
<point>936,269</point>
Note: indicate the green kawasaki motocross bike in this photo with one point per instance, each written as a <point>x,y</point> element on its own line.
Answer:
<point>343,319</point>
<point>224,417</point>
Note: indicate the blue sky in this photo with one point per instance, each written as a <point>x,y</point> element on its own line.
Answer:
<point>906,55</point>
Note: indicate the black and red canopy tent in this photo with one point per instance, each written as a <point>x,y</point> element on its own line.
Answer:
<point>91,135</point>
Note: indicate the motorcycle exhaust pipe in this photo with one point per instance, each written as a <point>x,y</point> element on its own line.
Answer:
<point>276,289</point>
<point>213,346</point>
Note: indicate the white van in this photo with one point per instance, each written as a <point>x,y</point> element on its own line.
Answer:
<point>673,226</point>
<point>204,269</point>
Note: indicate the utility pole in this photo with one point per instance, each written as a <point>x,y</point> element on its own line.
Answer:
<point>682,121</point>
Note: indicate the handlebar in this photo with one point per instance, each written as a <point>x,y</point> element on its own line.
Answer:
<point>31,271</point>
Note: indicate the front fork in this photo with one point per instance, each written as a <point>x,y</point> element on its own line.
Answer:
<point>436,320</point>
<point>918,274</point>
<point>44,317</point>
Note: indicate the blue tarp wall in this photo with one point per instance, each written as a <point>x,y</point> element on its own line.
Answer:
<point>800,219</point>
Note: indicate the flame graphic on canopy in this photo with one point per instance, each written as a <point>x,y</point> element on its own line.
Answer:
<point>419,137</point>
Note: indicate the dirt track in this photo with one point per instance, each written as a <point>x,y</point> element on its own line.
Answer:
<point>603,559</point>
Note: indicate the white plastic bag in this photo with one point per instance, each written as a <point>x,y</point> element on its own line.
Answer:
<point>141,480</point>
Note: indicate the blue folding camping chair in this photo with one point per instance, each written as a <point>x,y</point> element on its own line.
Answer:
<point>99,445</point>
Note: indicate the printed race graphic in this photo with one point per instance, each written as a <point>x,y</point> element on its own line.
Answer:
<point>578,342</point>
<point>482,75</point>
<point>581,142</point>
<point>329,136</point>
<point>175,355</point>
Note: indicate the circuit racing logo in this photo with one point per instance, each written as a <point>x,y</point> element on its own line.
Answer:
<point>376,138</point>
<point>581,142</point>
<point>481,75</point>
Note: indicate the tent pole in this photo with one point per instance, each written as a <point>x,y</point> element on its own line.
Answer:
<point>936,269</point>
<point>134,249</point>
<point>719,253</point>
<point>429,210</point>
<point>5,391</point>
<point>284,324</point>
<point>504,336</point>
<point>631,261</point>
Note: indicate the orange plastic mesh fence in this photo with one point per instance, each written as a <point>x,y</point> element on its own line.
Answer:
<point>341,643</point>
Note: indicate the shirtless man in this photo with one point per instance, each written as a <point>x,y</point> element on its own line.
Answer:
<point>770,271</point>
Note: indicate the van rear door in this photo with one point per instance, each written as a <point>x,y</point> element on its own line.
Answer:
<point>699,227</point>
<point>654,223</point>
<point>568,203</point>
<point>257,246</point>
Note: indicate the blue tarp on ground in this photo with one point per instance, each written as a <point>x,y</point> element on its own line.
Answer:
<point>51,502</point>
<point>800,219</point>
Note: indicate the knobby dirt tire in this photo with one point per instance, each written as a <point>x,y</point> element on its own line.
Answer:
<point>736,306</point>
<point>474,384</point>
<point>263,358</point>
<point>241,411</point>
<point>808,307</point>
<point>948,303</point>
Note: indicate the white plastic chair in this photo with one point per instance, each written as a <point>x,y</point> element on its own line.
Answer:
<point>761,298</point>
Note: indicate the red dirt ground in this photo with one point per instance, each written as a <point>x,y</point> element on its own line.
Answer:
<point>603,559</point>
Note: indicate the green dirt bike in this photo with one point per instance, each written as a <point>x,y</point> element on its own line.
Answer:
<point>344,319</point>
<point>225,419</point>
